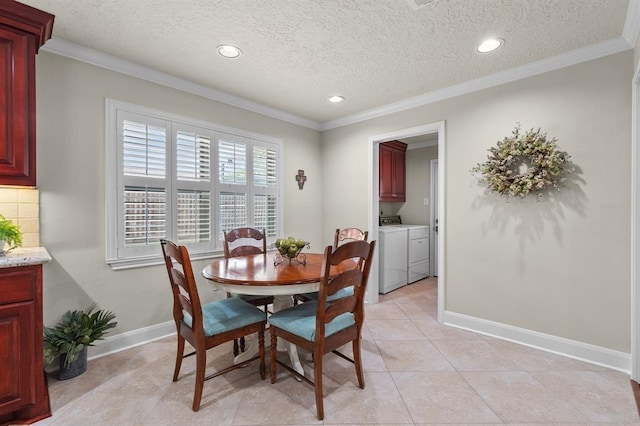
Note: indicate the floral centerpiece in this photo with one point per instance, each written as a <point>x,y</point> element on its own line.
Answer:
<point>523,163</point>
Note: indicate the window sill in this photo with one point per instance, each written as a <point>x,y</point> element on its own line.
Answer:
<point>141,262</point>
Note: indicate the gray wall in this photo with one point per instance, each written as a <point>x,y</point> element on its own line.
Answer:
<point>558,266</point>
<point>71,178</point>
<point>418,170</point>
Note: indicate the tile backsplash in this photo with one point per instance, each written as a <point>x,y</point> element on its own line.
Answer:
<point>22,207</point>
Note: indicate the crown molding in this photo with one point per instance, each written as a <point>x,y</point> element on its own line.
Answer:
<point>425,144</point>
<point>632,23</point>
<point>104,60</point>
<point>552,63</point>
<point>609,47</point>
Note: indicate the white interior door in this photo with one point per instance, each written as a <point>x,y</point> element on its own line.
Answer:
<point>433,231</point>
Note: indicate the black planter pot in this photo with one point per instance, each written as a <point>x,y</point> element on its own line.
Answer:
<point>75,368</point>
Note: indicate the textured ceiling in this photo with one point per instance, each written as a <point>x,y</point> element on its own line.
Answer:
<point>295,53</point>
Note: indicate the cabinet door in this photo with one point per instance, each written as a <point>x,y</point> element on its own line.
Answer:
<point>392,182</point>
<point>386,173</point>
<point>399,179</point>
<point>17,388</point>
<point>17,111</point>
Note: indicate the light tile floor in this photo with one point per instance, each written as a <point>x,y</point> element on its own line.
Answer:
<point>416,372</point>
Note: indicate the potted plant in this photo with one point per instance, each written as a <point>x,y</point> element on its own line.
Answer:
<point>9,234</point>
<point>71,336</point>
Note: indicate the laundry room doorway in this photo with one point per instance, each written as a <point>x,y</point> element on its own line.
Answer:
<point>437,128</point>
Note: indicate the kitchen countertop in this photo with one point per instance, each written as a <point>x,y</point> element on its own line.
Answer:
<point>25,257</point>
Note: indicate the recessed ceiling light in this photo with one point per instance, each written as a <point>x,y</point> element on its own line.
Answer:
<point>228,51</point>
<point>335,99</point>
<point>490,45</point>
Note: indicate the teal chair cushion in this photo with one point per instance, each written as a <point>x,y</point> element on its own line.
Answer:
<point>343,292</point>
<point>301,321</point>
<point>227,314</point>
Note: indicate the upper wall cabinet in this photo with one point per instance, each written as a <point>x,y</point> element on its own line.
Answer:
<point>23,30</point>
<point>392,171</point>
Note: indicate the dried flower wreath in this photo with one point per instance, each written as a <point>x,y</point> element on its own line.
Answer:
<point>524,163</point>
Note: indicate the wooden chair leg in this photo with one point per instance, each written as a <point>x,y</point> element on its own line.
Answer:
<point>274,354</point>
<point>263,367</point>
<point>357,360</point>
<point>179,356</point>
<point>317,380</point>
<point>242,344</point>
<point>201,362</point>
<point>236,350</point>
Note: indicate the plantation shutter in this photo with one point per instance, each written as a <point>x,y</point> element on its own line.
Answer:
<point>144,198</point>
<point>181,179</point>
<point>232,182</point>
<point>265,205</point>
<point>193,184</point>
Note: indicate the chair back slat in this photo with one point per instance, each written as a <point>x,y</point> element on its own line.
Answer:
<point>179,279</point>
<point>245,251</point>
<point>358,248</point>
<point>256,242</point>
<point>346,279</point>
<point>185,304</point>
<point>339,307</point>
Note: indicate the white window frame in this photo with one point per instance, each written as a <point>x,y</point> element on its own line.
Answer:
<point>118,257</point>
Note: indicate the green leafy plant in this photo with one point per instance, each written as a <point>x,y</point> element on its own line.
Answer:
<point>76,330</point>
<point>10,233</point>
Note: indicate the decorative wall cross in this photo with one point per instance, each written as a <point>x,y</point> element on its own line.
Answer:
<point>301,178</point>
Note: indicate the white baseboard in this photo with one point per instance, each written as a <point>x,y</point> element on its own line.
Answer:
<point>597,355</point>
<point>130,339</point>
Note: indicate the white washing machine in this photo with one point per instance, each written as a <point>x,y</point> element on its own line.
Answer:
<point>393,258</point>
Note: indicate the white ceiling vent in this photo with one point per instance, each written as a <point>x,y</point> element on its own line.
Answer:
<point>419,4</point>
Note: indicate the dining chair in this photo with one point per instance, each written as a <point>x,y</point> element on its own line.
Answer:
<point>244,242</point>
<point>347,234</point>
<point>209,325</point>
<point>328,324</point>
<point>340,236</point>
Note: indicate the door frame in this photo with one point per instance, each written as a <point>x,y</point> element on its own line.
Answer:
<point>635,227</point>
<point>374,176</point>
<point>433,180</point>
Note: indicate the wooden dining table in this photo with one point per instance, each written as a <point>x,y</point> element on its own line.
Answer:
<point>260,274</point>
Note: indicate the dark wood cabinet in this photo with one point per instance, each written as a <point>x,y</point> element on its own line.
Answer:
<point>24,397</point>
<point>23,30</point>
<point>392,171</point>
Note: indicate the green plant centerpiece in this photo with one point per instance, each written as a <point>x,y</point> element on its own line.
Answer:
<point>290,249</point>
<point>74,332</point>
<point>523,163</point>
<point>10,234</point>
